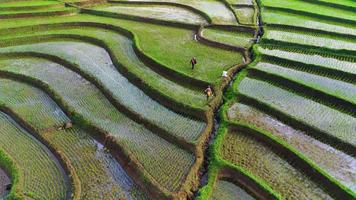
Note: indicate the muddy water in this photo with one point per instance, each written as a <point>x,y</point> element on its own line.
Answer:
<point>338,164</point>
<point>4,181</point>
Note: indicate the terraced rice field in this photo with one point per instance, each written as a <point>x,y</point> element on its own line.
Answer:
<point>98,99</point>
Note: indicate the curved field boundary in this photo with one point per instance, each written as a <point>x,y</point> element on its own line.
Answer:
<point>159,3</point>
<point>311,68</point>
<point>31,7</point>
<point>219,167</point>
<point>333,186</point>
<point>63,159</point>
<point>39,14</point>
<point>154,93</point>
<point>11,169</point>
<point>290,120</point>
<point>212,43</point>
<point>334,5</point>
<point>328,99</point>
<point>229,6</point>
<point>179,141</point>
<point>343,52</point>
<point>309,29</point>
<point>128,161</point>
<point>304,13</point>
<point>138,18</point>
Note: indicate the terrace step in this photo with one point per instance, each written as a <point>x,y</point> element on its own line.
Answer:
<point>37,13</point>
<point>40,174</point>
<point>312,39</point>
<point>268,166</point>
<point>285,18</point>
<point>335,162</point>
<point>155,12</point>
<point>328,65</point>
<point>98,172</point>
<point>157,157</point>
<point>326,123</point>
<point>95,64</point>
<point>335,93</point>
<point>30,5</point>
<point>220,14</point>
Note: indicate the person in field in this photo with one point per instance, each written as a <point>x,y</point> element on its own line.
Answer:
<point>193,61</point>
<point>209,92</point>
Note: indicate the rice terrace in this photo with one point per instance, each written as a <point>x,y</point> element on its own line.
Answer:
<point>177,99</point>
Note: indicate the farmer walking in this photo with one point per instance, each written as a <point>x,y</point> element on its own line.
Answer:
<point>209,92</point>
<point>193,61</point>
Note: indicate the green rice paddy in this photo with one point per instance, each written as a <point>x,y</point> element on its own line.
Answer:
<point>99,99</point>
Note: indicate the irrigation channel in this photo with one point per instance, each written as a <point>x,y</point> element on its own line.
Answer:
<point>204,169</point>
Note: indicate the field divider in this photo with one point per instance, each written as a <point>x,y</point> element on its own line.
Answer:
<point>328,99</point>
<point>64,161</point>
<point>164,99</point>
<point>311,68</point>
<point>159,3</point>
<point>298,160</point>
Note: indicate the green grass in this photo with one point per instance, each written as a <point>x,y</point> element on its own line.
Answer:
<point>28,3</point>
<point>264,163</point>
<point>41,176</point>
<point>39,11</point>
